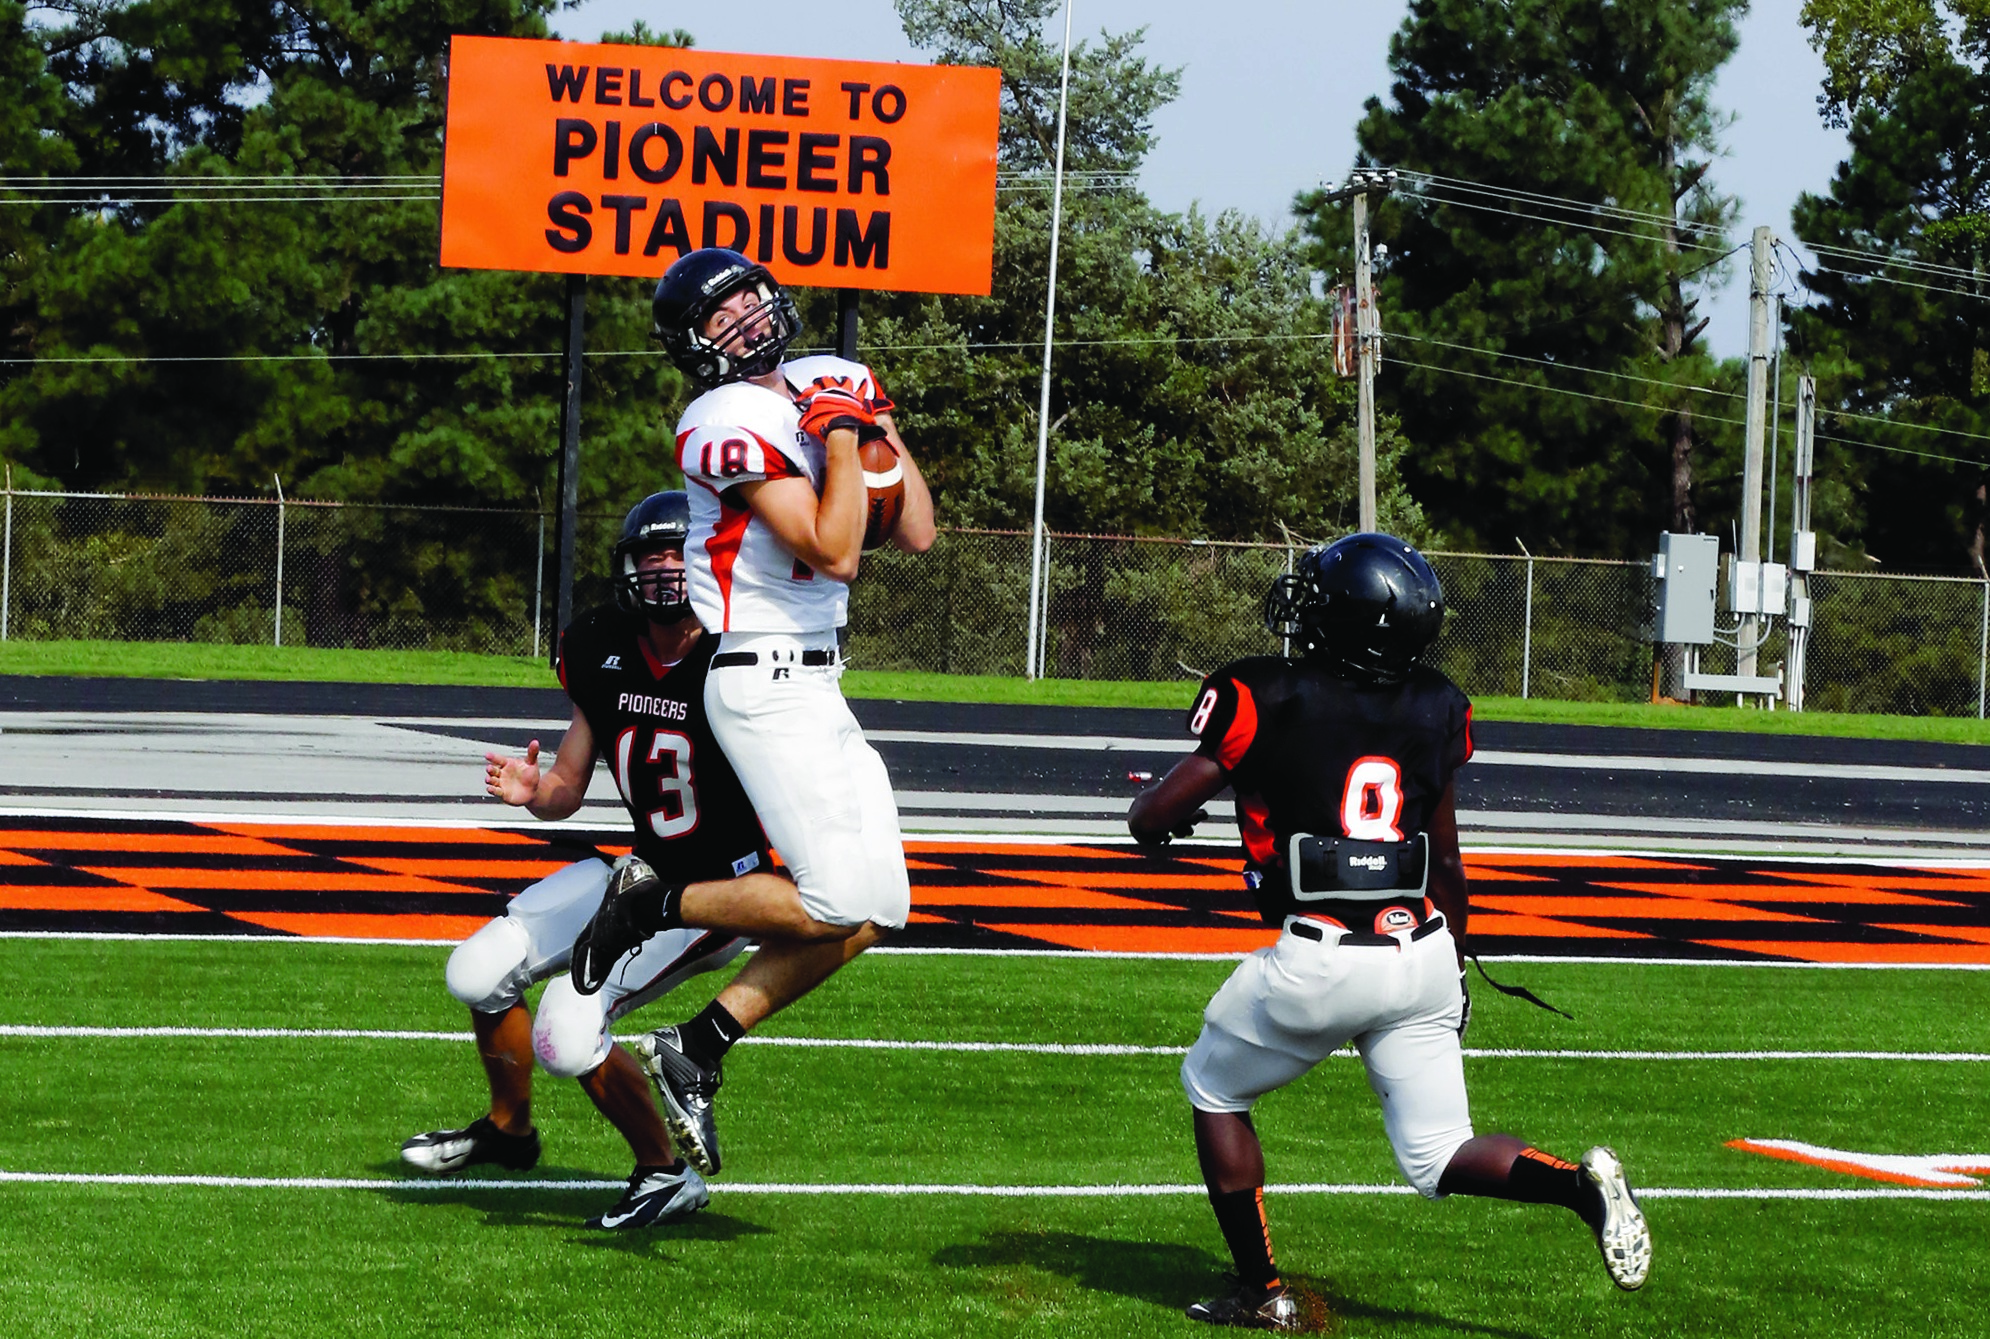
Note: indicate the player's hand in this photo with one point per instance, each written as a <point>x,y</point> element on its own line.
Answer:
<point>830,403</point>
<point>513,780</point>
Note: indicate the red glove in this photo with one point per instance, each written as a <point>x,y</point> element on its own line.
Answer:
<point>832,403</point>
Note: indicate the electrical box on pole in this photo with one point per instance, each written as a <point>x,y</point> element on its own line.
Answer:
<point>1687,568</point>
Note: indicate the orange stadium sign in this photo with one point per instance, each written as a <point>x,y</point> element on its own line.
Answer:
<point>580,158</point>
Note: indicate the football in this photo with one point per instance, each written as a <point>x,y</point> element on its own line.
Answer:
<point>884,490</point>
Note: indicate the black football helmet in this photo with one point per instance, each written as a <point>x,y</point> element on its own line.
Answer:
<point>692,288</point>
<point>1368,605</point>
<point>659,521</point>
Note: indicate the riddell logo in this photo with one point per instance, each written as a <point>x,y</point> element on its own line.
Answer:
<point>1375,862</point>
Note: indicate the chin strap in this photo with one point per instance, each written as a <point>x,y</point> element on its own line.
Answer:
<point>1519,992</point>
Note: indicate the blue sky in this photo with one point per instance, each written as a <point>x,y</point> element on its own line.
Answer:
<point>1271,95</point>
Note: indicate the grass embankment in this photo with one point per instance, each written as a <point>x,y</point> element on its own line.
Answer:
<point>163,660</point>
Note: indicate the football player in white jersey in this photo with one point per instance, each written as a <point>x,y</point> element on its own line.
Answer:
<point>769,454</point>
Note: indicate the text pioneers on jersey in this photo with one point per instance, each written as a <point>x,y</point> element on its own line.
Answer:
<point>581,158</point>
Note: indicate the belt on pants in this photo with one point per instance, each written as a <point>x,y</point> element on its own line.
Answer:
<point>1306,929</point>
<point>727,658</point>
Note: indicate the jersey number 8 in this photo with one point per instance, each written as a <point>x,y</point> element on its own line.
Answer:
<point>1372,801</point>
<point>672,751</point>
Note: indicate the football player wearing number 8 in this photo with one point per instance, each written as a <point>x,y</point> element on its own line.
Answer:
<point>769,452</point>
<point>1342,764</point>
<point>636,675</point>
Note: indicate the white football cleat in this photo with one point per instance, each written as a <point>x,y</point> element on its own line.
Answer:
<point>1622,1237</point>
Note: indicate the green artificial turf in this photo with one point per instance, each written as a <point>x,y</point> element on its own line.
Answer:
<point>453,1259</point>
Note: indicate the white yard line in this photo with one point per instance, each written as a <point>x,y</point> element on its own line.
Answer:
<point>887,1189</point>
<point>979,1047</point>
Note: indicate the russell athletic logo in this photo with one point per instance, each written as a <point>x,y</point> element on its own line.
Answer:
<point>1394,919</point>
<point>613,662</point>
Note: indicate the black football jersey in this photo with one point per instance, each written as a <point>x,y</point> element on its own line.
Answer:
<point>693,820</point>
<point>1309,751</point>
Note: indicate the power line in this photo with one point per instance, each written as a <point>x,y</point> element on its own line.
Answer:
<point>1666,409</point>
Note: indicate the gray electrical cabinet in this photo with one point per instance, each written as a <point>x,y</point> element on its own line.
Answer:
<point>1688,571</point>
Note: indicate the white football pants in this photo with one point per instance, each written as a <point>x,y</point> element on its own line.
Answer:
<point>819,787</point>
<point>533,940</point>
<point>1290,1006</point>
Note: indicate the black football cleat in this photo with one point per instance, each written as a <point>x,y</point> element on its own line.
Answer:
<point>613,931</point>
<point>1250,1308</point>
<point>656,1195</point>
<point>688,1090</point>
<point>440,1152</point>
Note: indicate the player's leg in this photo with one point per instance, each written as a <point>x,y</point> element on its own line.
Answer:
<point>1242,1054</point>
<point>571,1038</point>
<point>489,972</point>
<point>1416,1068</point>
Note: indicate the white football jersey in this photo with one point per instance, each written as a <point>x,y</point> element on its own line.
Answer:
<point>741,578</point>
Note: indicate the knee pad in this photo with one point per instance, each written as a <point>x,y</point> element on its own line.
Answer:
<point>490,970</point>
<point>570,1033</point>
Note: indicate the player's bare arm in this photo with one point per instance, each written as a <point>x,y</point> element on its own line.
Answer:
<point>916,531</point>
<point>827,533</point>
<point>1173,805</point>
<point>1447,869</point>
<point>551,793</point>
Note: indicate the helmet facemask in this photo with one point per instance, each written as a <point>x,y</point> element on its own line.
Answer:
<point>733,354</point>
<point>662,594</point>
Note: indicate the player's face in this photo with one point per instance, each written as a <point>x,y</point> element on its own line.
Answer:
<point>660,560</point>
<point>741,319</point>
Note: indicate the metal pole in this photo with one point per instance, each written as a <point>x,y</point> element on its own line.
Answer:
<point>1033,650</point>
<point>7,559</point>
<point>277,640</point>
<point>1751,464</point>
<point>1775,430</point>
<point>1367,338</point>
<point>1800,481</point>
<point>570,446</point>
<point>846,323</point>
<point>539,585</point>
<point>1527,625</point>
<point>1983,652</point>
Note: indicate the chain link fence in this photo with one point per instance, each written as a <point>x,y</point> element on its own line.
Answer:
<point>112,567</point>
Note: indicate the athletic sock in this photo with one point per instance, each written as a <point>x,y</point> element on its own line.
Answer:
<point>644,1169</point>
<point>1542,1178</point>
<point>1240,1214</point>
<point>710,1035</point>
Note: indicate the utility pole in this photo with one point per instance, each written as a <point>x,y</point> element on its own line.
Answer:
<point>1368,326</point>
<point>1756,424</point>
<point>1366,338</point>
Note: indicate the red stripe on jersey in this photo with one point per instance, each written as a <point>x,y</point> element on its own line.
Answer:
<point>777,465</point>
<point>657,668</point>
<point>1243,729</point>
<point>1468,732</point>
<point>1254,823</point>
<point>723,547</point>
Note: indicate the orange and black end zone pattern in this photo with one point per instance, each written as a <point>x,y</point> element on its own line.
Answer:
<point>247,878</point>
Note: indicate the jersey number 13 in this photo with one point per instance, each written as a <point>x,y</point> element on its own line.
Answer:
<point>669,752</point>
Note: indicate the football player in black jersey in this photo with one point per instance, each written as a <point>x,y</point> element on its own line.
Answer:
<point>636,675</point>
<point>1342,765</point>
